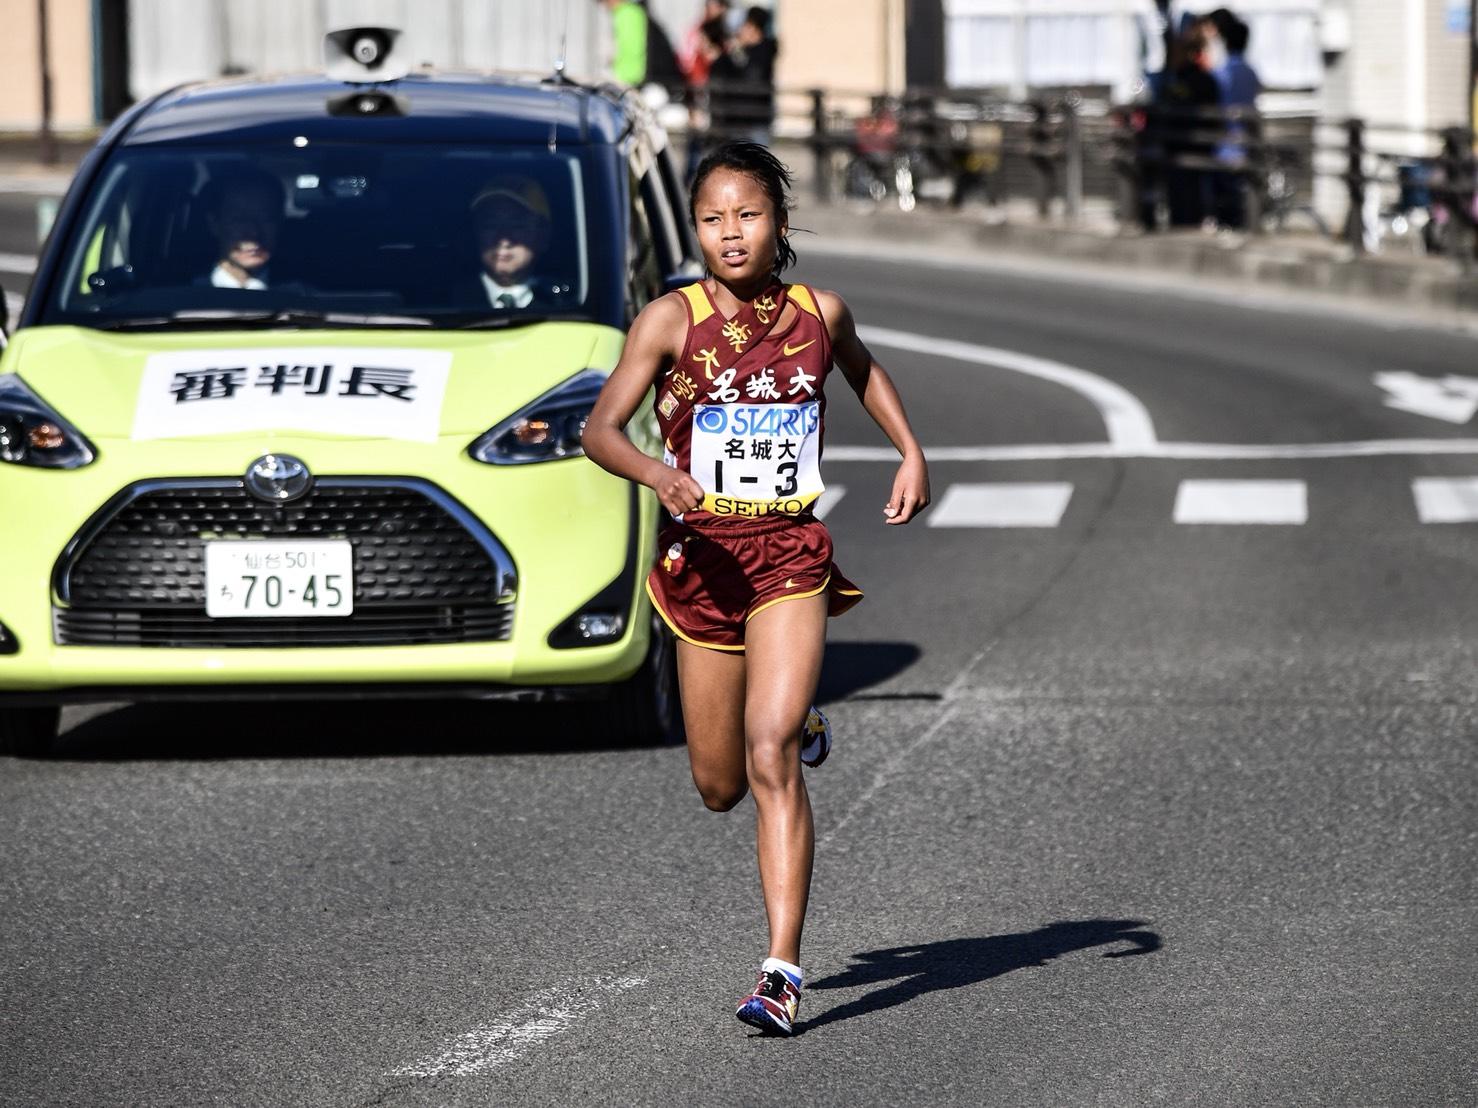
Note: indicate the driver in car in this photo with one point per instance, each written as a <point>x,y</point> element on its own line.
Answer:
<point>243,212</point>
<point>511,223</point>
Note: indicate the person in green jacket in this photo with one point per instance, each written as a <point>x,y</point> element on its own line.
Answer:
<point>629,29</point>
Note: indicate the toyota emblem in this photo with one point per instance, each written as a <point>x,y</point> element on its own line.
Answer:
<point>278,478</point>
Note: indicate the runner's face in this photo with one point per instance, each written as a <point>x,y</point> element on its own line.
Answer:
<point>737,228</point>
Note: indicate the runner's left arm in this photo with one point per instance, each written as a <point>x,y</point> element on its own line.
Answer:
<point>880,399</point>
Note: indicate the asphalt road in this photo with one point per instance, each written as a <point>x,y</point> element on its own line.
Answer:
<point>1124,808</point>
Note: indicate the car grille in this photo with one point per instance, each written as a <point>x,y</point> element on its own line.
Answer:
<point>136,575</point>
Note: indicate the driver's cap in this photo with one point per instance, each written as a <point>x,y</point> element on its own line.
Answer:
<point>519,191</point>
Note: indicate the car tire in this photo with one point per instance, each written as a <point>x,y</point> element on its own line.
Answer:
<point>645,709</point>
<point>29,732</point>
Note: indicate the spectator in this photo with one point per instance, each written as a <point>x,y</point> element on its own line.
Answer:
<point>1240,87</point>
<point>629,34</point>
<point>742,100</point>
<point>703,43</point>
<point>712,45</point>
<point>1185,113</point>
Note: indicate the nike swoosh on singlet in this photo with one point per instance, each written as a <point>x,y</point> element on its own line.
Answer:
<point>790,584</point>
<point>789,350</point>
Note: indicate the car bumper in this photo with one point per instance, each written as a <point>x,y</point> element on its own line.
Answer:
<point>571,529</point>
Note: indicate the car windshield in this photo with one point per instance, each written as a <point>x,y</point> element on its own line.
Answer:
<point>344,235</point>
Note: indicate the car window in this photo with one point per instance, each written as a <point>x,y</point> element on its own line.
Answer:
<point>677,199</point>
<point>446,234</point>
<point>660,219</point>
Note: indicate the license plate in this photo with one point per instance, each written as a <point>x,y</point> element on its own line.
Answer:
<point>270,578</point>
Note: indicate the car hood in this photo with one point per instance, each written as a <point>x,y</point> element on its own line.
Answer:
<point>354,384</point>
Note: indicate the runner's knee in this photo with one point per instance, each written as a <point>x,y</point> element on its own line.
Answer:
<point>720,796</point>
<point>774,757</point>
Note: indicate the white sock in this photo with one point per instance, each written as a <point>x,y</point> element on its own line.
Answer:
<point>791,971</point>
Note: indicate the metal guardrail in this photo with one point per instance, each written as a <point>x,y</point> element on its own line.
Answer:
<point>1066,149</point>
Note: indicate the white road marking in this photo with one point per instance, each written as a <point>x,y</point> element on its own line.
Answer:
<point>1199,501</point>
<point>1126,419</point>
<point>1017,504</point>
<point>546,1014</point>
<point>17,263</point>
<point>1185,451</point>
<point>1446,499</point>
<point>1451,398</point>
<point>830,499</point>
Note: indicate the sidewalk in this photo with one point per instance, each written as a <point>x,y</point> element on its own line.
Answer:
<point>1305,264</point>
<point>21,169</point>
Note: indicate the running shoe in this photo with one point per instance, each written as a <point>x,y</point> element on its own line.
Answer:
<point>815,738</point>
<point>773,1004</point>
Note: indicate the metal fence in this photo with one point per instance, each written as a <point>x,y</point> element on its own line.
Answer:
<point>1269,172</point>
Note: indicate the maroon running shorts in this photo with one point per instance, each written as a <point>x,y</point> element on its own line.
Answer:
<point>722,575</point>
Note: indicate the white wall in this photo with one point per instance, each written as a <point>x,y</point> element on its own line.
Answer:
<point>1024,44</point>
<point>183,40</point>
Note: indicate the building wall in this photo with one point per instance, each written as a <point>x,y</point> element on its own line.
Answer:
<point>1447,70</point>
<point>841,45</point>
<point>69,26</point>
<point>185,40</point>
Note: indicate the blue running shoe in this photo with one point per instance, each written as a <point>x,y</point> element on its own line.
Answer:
<point>815,738</point>
<point>773,1005</point>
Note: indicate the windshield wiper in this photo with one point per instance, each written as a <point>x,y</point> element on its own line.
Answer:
<point>215,317</point>
<point>500,321</point>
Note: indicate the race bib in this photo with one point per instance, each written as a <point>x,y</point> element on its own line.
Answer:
<point>756,459</point>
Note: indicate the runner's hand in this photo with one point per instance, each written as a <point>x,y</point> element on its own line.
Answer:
<point>677,491</point>
<point>910,491</point>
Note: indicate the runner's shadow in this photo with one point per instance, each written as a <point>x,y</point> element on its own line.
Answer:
<point>953,963</point>
<point>851,667</point>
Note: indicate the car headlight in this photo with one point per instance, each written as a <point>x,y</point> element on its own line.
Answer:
<point>545,430</point>
<point>33,434</point>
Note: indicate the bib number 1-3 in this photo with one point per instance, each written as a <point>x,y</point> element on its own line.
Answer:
<point>752,459</point>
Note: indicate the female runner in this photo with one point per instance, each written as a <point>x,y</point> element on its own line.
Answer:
<point>739,362</point>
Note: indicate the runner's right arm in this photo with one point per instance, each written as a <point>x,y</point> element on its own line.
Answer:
<point>649,346</point>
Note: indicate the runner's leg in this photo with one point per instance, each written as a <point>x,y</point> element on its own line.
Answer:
<point>784,644</point>
<point>711,683</point>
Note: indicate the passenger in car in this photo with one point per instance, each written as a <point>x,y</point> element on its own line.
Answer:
<point>512,224</point>
<point>244,213</point>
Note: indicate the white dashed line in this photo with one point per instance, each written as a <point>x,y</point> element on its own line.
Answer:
<point>1253,502</point>
<point>1446,499</point>
<point>1174,451</point>
<point>1022,504</point>
<point>829,500</point>
<point>545,1015</point>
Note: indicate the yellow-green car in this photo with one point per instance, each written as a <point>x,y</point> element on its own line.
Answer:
<point>294,403</point>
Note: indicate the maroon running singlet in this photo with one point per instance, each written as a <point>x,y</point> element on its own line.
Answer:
<point>743,411</point>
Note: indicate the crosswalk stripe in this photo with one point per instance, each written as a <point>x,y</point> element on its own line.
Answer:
<point>1002,504</point>
<point>1239,502</point>
<point>1446,499</point>
<point>829,500</point>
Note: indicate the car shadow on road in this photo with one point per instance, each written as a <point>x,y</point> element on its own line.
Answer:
<point>955,963</point>
<point>327,729</point>
<point>223,729</point>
